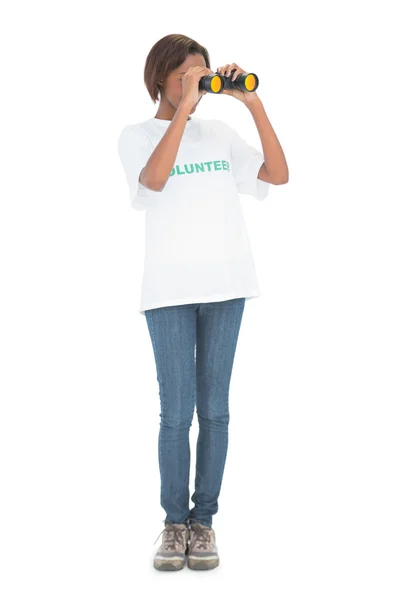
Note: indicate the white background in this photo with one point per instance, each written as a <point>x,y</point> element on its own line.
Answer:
<point>309,506</point>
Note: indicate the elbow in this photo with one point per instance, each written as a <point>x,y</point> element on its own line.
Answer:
<point>155,187</point>
<point>283,179</point>
<point>276,178</point>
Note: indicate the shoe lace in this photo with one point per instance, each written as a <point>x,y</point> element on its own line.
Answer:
<point>173,536</point>
<point>202,538</point>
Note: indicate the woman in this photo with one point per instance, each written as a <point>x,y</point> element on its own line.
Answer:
<point>186,174</point>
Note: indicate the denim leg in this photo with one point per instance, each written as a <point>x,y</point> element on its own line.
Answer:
<point>218,326</point>
<point>173,334</point>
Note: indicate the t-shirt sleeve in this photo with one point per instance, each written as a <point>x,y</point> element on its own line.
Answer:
<point>246,161</point>
<point>134,150</point>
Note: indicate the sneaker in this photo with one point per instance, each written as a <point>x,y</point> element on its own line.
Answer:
<point>170,556</point>
<point>203,552</point>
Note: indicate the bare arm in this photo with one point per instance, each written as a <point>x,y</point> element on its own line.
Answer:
<point>156,172</point>
<point>275,169</point>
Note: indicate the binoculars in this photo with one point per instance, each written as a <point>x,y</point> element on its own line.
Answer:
<point>215,84</point>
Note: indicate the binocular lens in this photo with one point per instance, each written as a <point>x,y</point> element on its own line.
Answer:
<point>216,84</point>
<point>250,82</point>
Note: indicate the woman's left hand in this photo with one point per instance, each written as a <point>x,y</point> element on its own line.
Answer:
<point>245,97</point>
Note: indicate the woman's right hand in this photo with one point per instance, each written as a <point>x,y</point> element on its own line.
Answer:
<point>190,85</point>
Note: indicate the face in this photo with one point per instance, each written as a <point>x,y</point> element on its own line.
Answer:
<point>172,90</point>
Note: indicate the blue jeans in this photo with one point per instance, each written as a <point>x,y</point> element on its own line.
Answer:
<point>194,347</point>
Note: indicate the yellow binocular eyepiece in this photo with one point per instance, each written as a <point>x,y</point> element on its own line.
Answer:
<point>215,84</point>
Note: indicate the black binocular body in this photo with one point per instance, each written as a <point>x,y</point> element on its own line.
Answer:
<point>216,83</point>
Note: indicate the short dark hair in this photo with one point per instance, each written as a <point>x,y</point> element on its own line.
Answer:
<point>165,56</point>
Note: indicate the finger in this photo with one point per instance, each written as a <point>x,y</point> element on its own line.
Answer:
<point>230,68</point>
<point>236,73</point>
<point>233,66</point>
<point>222,70</point>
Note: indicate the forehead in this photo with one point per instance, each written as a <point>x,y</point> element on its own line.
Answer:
<point>193,60</point>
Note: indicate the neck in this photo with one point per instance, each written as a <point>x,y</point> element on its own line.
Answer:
<point>167,112</point>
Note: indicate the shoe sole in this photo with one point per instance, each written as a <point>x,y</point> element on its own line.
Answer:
<point>169,564</point>
<point>202,564</point>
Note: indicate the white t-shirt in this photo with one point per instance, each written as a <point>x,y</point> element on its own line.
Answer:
<point>196,243</point>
